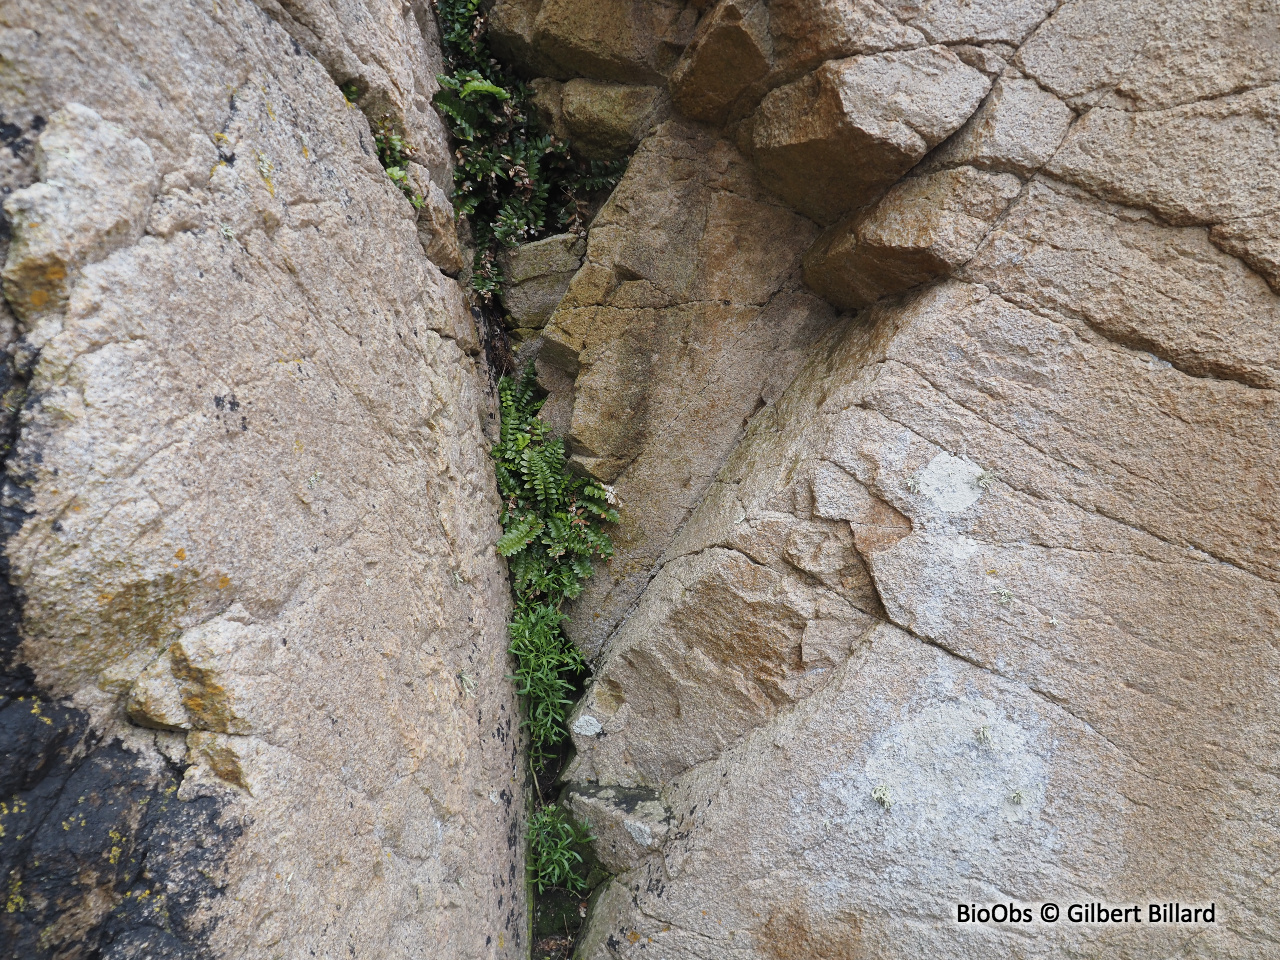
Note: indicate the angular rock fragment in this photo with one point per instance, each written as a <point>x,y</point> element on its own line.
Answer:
<point>809,32</point>
<point>537,275</point>
<point>840,136</point>
<point>731,52</point>
<point>437,224</point>
<point>627,823</point>
<point>627,41</point>
<point>684,317</point>
<point>922,229</point>
<point>606,120</point>
<point>1017,129</point>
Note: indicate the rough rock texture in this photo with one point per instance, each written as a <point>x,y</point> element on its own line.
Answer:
<point>537,275</point>
<point>982,605</point>
<point>969,596</point>
<point>922,229</point>
<point>682,322</point>
<point>625,41</point>
<point>839,137</point>
<point>256,701</point>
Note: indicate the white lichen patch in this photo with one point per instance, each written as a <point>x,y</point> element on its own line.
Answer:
<point>586,726</point>
<point>950,484</point>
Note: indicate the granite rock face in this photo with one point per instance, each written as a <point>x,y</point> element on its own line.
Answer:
<point>256,700</point>
<point>930,348</point>
<point>981,605</point>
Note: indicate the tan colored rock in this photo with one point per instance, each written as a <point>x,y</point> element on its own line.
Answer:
<point>838,138</point>
<point>627,824</point>
<point>1256,241</point>
<point>605,121</point>
<point>1016,130</point>
<point>808,32</point>
<point>1153,55</point>
<point>1203,51</point>
<point>973,21</point>
<point>1031,682</point>
<point>730,55</point>
<point>437,224</point>
<point>390,52</point>
<point>682,321</point>
<point>1173,161</point>
<point>1156,288</point>
<point>511,25</point>
<point>95,190</point>
<point>992,59</point>
<point>250,499</point>
<point>155,698</point>
<point>1083,50</point>
<point>924,228</point>
<point>625,41</point>
<point>537,275</point>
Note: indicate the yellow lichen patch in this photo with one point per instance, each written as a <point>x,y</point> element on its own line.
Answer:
<point>223,581</point>
<point>206,701</point>
<point>219,757</point>
<point>181,554</point>
<point>16,902</point>
<point>38,298</point>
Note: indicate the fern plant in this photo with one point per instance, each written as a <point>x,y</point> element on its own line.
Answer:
<point>551,531</point>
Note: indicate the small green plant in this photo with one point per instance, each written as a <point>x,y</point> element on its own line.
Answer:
<point>551,523</point>
<point>513,180</point>
<point>552,860</point>
<point>881,795</point>
<point>351,91</point>
<point>394,153</point>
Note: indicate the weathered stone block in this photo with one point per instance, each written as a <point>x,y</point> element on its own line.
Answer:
<point>537,275</point>
<point>1017,128</point>
<point>628,823</point>
<point>731,52</point>
<point>809,32</point>
<point>840,136</point>
<point>606,120</point>
<point>627,41</point>
<point>922,229</point>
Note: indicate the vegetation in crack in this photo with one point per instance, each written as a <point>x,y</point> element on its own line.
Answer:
<point>553,860</point>
<point>394,151</point>
<point>552,524</point>
<point>514,181</point>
